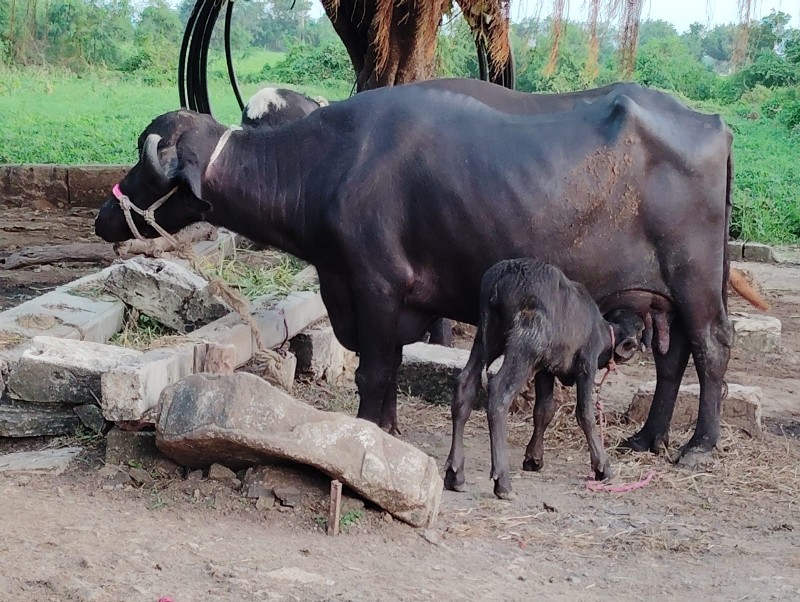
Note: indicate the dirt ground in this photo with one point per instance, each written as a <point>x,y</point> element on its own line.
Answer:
<point>725,533</point>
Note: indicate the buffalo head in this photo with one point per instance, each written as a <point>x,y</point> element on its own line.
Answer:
<point>159,170</point>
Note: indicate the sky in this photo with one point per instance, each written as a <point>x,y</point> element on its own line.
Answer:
<point>681,13</point>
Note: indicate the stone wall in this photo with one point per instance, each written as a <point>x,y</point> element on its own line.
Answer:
<point>57,186</point>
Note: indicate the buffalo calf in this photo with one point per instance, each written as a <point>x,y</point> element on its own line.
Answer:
<point>542,323</point>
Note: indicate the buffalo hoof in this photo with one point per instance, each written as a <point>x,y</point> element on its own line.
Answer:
<point>531,465</point>
<point>454,481</point>
<point>694,456</point>
<point>644,442</point>
<point>391,429</point>
<point>504,492</point>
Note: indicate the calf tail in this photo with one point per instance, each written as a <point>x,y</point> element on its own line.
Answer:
<point>746,291</point>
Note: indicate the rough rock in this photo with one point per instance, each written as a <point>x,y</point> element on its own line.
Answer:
<point>51,461</point>
<point>754,251</point>
<point>37,420</point>
<point>223,474</point>
<point>141,476</point>
<point>321,355</point>
<point>288,496</point>
<point>241,420</point>
<point>741,407</point>
<point>64,371</point>
<point>165,291</point>
<point>756,334</point>
<point>431,372</point>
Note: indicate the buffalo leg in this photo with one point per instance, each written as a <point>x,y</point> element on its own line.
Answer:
<point>654,435</point>
<point>389,412</point>
<point>586,420</point>
<point>441,332</point>
<point>377,334</point>
<point>711,351</point>
<point>503,389</point>
<point>543,412</point>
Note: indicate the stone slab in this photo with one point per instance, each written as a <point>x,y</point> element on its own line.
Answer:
<point>50,461</point>
<point>36,420</point>
<point>65,371</point>
<point>741,407</point>
<point>756,334</point>
<point>431,372</point>
<point>754,251</point>
<point>240,420</point>
<point>735,248</point>
<point>320,355</point>
<point>122,447</point>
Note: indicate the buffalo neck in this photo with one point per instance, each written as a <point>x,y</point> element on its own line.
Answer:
<point>257,190</point>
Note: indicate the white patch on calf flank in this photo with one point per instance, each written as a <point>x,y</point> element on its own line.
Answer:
<point>263,101</point>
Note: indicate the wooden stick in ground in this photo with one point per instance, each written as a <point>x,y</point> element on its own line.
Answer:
<point>79,252</point>
<point>336,508</point>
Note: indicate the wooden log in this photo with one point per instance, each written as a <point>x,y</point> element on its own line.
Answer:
<point>158,246</point>
<point>79,252</point>
<point>335,509</point>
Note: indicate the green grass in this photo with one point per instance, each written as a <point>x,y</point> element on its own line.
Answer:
<point>49,116</point>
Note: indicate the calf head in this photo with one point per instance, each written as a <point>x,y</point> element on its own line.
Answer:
<point>173,151</point>
<point>628,329</point>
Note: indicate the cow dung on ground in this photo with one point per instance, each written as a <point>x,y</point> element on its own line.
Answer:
<point>241,420</point>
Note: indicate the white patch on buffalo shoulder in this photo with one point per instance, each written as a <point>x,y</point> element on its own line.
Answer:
<point>263,101</point>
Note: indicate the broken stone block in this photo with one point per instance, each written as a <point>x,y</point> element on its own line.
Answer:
<point>431,372</point>
<point>275,366</point>
<point>741,407</point>
<point>321,355</point>
<point>165,291</point>
<point>287,496</point>
<point>50,461</point>
<point>735,248</point>
<point>220,358</point>
<point>756,334</point>
<point>124,446</point>
<point>59,370</point>
<point>241,420</point>
<point>129,391</point>
<point>754,251</point>
<point>91,417</point>
<point>37,420</point>
<point>224,475</point>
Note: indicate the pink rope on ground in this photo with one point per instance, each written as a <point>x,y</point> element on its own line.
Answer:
<point>593,485</point>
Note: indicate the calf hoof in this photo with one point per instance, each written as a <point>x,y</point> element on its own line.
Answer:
<point>532,465</point>
<point>645,442</point>
<point>504,492</point>
<point>603,474</point>
<point>454,481</point>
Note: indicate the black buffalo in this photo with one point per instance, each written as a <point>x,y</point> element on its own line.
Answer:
<point>403,197</point>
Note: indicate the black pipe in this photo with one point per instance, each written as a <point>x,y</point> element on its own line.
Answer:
<point>229,55</point>
<point>187,36</point>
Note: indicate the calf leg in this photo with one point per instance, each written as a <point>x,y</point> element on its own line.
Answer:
<point>543,412</point>
<point>670,366</point>
<point>464,400</point>
<point>509,382</point>
<point>586,420</point>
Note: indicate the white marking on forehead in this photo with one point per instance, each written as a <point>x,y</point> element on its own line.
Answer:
<point>263,101</point>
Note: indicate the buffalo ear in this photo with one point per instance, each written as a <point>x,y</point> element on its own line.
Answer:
<point>192,175</point>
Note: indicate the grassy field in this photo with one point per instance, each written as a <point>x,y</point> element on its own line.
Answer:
<point>48,116</point>
<point>54,117</point>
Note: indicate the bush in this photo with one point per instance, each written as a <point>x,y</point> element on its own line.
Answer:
<point>768,70</point>
<point>667,64</point>
<point>307,64</point>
